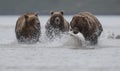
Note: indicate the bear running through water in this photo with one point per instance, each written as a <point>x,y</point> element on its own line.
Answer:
<point>87,24</point>
<point>28,28</point>
<point>56,25</point>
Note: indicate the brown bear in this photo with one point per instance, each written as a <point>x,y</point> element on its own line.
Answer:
<point>87,24</point>
<point>28,28</point>
<point>56,24</point>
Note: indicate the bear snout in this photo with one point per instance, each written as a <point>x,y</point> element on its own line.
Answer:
<point>38,23</point>
<point>57,20</point>
<point>75,30</point>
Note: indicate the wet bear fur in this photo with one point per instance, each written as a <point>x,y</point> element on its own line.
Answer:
<point>56,25</point>
<point>28,28</point>
<point>87,24</point>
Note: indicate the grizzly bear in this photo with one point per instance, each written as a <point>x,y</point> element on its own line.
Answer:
<point>56,24</point>
<point>28,28</point>
<point>87,24</point>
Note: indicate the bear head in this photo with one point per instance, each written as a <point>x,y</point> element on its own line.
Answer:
<point>79,24</point>
<point>31,20</point>
<point>57,19</point>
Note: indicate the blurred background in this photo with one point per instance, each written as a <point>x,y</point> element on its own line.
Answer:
<point>98,7</point>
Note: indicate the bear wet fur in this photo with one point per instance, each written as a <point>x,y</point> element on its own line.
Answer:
<point>87,24</point>
<point>28,28</point>
<point>56,24</point>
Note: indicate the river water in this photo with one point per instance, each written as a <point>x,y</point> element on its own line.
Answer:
<point>62,54</point>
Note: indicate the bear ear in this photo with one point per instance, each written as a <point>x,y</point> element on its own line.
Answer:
<point>83,18</point>
<point>62,12</point>
<point>51,12</point>
<point>36,14</point>
<point>26,16</point>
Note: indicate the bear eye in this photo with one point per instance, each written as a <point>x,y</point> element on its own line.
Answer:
<point>33,19</point>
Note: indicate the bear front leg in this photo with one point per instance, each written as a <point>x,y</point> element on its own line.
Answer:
<point>93,39</point>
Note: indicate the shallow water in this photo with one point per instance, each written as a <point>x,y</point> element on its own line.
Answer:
<point>62,54</point>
